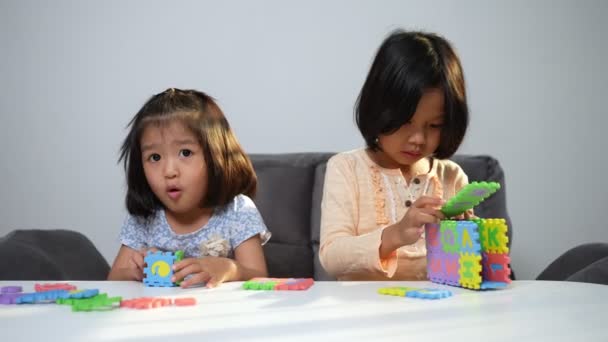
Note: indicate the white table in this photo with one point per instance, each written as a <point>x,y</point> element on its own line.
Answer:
<point>342,311</point>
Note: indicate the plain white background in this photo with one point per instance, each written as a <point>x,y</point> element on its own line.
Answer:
<point>287,74</point>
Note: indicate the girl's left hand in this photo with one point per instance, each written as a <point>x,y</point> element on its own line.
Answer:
<point>210,270</point>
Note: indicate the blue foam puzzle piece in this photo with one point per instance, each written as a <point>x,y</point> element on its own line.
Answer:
<point>429,293</point>
<point>487,285</point>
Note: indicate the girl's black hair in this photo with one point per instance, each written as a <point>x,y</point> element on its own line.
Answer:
<point>406,65</point>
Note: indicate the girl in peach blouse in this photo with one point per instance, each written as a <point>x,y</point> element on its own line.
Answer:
<point>413,115</point>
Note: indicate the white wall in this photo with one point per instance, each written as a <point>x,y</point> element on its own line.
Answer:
<point>287,73</point>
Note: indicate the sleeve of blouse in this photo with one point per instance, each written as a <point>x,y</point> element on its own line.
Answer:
<point>249,220</point>
<point>342,251</point>
<point>132,233</point>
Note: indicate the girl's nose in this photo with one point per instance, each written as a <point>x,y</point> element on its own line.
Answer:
<point>171,170</point>
<point>417,137</point>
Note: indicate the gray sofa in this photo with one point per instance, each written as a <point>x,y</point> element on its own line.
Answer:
<point>290,187</point>
<point>289,198</point>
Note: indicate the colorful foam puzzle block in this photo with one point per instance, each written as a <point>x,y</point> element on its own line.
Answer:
<point>412,292</point>
<point>468,197</point>
<point>159,269</point>
<point>279,284</point>
<point>472,253</point>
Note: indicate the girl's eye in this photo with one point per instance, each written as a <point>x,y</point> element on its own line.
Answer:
<point>436,125</point>
<point>154,157</point>
<point>185,153</point>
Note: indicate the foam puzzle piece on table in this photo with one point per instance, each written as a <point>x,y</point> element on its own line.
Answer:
<point>159,269</point>
<point>279,284</point>
<point>9,294</point>
<point>156,302</point>
<point>412,292</point>
<point>79,294</point>
<point>101,302</point>
<point>11,289</point>
<point>490,285</point>
<point>52,296</point>
<point>468,197</point>
<point>186,301</point>
<point>50,287</point>
<point>146,303</point>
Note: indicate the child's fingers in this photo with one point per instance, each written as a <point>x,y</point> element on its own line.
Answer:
<point>138,274</point>
<point>138,260</point>
<point>433,212</point>
<point>185,269</point>
<point>184,263</point>
<point>468,215</point>
<point>197,278</point>
<point>213,282</point>
<point>425,201</point>
<point>424,216</point>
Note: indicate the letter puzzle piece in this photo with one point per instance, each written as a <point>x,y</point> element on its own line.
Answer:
<point>412,292</point>
<point>159,268</point>
<point>279,284</point>
<point>468,197</point>
<point>469,253</point>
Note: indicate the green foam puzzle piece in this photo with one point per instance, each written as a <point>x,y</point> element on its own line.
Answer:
<point>468,197</point>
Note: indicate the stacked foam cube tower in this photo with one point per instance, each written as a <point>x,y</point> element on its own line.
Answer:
<point>472,253</point>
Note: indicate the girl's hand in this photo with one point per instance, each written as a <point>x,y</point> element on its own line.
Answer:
<point>128,265</point>
<point>136,260</point>
<point>209,269</point>
<point>425,210</point>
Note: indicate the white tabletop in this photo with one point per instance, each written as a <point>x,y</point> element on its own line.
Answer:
<point>343,311</point>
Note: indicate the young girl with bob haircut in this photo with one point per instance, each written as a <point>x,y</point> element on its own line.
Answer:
<point>189,185</point>
<point>412,113</point>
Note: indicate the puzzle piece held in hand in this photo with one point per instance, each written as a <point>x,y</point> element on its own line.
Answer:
<point>159,268</point>
<point>468,197</point>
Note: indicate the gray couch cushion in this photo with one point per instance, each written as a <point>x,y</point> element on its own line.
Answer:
<point>585,263</point>
<point>284,198</point>
<point>50,255</point>
<point>289,197</point>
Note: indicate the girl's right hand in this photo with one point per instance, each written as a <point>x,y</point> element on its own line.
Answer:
<point>425,210</point>
<point>136,272</point>
<point>128,265</point>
